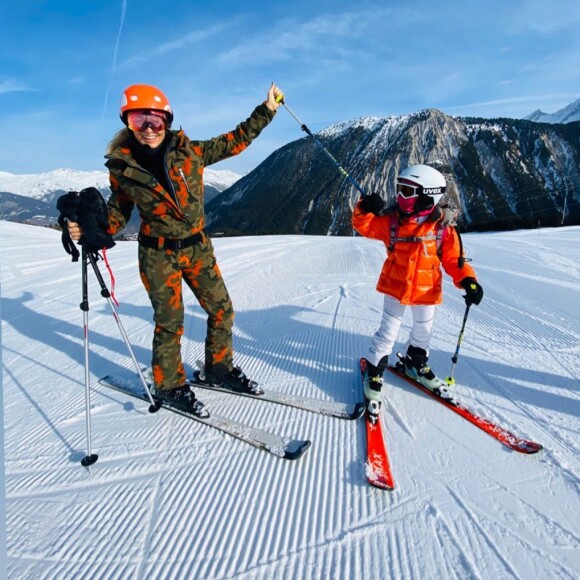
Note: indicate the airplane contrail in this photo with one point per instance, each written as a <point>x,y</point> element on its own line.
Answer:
<point>123,12</point>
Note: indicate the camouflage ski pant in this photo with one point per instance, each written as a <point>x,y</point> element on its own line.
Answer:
<point>162,273</point>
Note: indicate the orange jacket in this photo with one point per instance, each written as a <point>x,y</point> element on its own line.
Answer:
<point>411,273</point>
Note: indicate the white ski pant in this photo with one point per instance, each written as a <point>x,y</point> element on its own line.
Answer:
<point>385,337</point>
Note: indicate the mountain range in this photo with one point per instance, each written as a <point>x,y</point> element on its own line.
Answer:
<point>568,114</point>
<point>501,173</point>
<point>31,198</point>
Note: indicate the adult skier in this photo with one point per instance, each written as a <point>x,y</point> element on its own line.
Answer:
<point>160,171</point>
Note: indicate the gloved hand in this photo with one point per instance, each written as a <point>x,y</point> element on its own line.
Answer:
<point>473,291</point>
<point>373,203</point>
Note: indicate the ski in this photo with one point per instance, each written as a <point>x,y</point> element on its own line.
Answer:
<point>285,448</point>
<point>504,436</point>
<point>378,468</point>
<point>330,408</point>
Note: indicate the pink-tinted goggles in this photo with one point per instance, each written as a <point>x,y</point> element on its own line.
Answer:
<point>140,120</point>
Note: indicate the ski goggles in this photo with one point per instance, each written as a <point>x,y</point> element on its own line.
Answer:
<point>407,190</point>
<point>140,120</point>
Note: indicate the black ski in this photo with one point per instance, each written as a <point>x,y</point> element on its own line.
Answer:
<point>272,443</point>
<point>331,408</point>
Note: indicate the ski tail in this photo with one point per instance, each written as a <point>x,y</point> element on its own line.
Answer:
<point>286,448</point>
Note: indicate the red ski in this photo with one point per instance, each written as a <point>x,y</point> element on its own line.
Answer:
<point>378,469</point>
<point>504,436</point>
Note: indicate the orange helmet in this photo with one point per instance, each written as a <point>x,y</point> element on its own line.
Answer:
<point>144,97</point>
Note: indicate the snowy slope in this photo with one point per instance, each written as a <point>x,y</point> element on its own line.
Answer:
<point>170,498</point>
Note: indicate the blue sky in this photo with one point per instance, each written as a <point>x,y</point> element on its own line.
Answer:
<point>63,66</point>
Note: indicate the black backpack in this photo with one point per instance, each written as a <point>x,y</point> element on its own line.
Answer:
<point>89,210</point>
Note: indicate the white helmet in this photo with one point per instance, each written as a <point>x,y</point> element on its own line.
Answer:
<point>427,180</point>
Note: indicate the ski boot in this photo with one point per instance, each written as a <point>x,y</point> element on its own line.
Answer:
<point>234,380</point>
<point>182,398</point>
<point>373,383</point>
<point>416,368</point>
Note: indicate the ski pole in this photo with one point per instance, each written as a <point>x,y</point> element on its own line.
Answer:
<point>280,99</point>
<point>89,458</point>
<point>450,380</point>
<point>155,406</point>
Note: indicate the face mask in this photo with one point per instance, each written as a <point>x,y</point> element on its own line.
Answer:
<point>406,204</point>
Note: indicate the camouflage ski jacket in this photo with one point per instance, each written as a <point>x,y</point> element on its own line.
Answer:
<point>178,213</point>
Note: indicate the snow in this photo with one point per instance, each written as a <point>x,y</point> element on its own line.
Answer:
<point>171,498</point>
<point>365,123</point>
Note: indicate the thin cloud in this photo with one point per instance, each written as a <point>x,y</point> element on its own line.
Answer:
<point>514,100</point>
<point>289,37</point>
<point>115,50</point>
<point>12,86</point>
<point>178,43</point>
<point>545,18</point>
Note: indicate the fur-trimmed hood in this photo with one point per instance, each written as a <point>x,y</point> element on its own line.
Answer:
<point>120,138</point>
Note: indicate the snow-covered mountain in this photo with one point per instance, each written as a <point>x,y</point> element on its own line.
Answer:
<point>32,197</point>
<point>41,185</point>
<point>502,173</point>
<point>568,114</point>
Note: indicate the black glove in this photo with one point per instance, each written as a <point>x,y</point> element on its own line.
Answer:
<point>373,203</point>
<point>473,291</point>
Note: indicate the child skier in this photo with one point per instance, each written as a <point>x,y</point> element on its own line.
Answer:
<point>419,239</point>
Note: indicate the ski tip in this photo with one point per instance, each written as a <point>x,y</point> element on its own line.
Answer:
<point>527,447</point>
<point>296,449</point>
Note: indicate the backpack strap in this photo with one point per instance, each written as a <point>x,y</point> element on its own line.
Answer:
<point>441,231</point>
<point>443,225</point>
<point>462,259</point>
<point>394,238</point>
<point>394,229</point>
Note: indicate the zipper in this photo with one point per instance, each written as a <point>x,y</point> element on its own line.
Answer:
<point>184,180</point>
<point>169,182</point>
